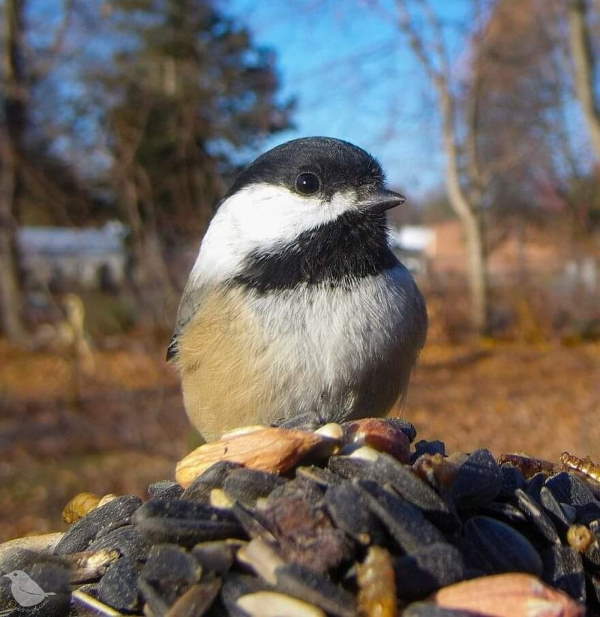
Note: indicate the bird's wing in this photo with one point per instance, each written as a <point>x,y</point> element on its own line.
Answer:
<point>191,300</point>
<point>28,593</point>
<point>30,587</point>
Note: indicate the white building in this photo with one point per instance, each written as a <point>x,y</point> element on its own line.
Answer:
<point>412,244</point>
<point>84,256</point>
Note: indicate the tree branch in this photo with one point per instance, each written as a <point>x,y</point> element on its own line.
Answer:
<point>50,55</point>
<point>416,43</point>
<point>433,58</point>
<point>438,40</point>
<point>440,80</point>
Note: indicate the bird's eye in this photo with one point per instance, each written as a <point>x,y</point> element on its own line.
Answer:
<point>308,183</point>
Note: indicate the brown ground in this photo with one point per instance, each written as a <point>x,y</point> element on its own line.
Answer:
<point>124,426</point>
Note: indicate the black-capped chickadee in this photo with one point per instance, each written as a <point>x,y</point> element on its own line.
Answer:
<point>296,311</point>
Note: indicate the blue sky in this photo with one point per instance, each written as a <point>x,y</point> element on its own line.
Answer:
<point>348,67</point>
<point>354,78</point>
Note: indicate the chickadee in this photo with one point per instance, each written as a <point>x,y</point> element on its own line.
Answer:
<point>296,311</point>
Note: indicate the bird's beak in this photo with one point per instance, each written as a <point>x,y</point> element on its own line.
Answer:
<point>381,200</point>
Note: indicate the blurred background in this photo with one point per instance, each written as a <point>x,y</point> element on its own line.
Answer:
<point>122,123</point>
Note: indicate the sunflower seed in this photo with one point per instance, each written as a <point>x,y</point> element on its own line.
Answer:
<point>428,569</point>
<point>568,488</point>
<point>169,570</point>
<point>247,485</point>
<point>497,547</point>
<point>512,479</point>
<point>350,512</point>
<point>303,583</point>
<point>196,600</point>
<point>478,480</point>
<point>127,540</point>
<point>237,585</point>
<point>537,516</point>
<point>213,477</point>
<point>554,509</point>
<point>217,556</point>
<point>165,489</point>
<point>404,521</point>
<point>275,604</point>
<point>118,587</point>
<point>563,569</point>
<point>83,532</point>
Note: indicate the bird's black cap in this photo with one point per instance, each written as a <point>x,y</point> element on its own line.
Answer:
<point>338,164</point>
<point>337,252</point>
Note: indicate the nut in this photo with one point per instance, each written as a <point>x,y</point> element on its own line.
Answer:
<point>270,449</point>
<point>508,595</point>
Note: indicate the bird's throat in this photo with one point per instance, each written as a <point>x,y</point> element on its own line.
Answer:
<point>342,251</point>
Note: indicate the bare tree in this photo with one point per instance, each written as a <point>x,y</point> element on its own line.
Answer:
<point>465,182</point>
<point>22,170</point>
<point>584,67</point>
<point>189,90</point>
<point>12,125</point>
<point>151,280</point>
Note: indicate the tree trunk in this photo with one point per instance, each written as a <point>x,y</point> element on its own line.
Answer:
<point>11,320</point>
<point>469,211</point>
<point>477,273</point>
<point>466,202</point>
<point>152,285</point>
<point>14,108</point>
<point>582,56</point>
<point>478,277</point>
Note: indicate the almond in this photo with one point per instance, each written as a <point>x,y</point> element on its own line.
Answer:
<point>269,449</point>
<point>508,595</point>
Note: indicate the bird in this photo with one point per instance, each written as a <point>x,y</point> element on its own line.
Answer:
<point>296,312</point>
<point>25,590</point>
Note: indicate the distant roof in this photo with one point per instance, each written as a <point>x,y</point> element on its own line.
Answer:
<point>411,237</point>
<point>72,240</point>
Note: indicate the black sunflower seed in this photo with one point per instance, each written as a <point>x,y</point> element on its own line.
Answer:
<point>213,477</point>
<point>427,569</point>
<point>118,587</point>
<point>568,488</point>
<point>535,513</point>
<point>404,521</point>
<point>563,568</point>
<point>496,547</point>
<point>349,510</point>
<point>478,480</point>
<point>248,485</point>
<point>85,530</point>
<point>127,540</point>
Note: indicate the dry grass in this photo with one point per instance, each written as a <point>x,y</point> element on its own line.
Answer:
<point>124,426</point>
<point>538,399</point>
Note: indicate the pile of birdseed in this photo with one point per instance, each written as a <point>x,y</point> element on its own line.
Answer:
<point>355,533</point>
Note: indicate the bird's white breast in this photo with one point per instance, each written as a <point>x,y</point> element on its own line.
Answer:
<point>329,339</point>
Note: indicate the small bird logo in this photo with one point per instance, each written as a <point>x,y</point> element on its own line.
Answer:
<point>25,590</point>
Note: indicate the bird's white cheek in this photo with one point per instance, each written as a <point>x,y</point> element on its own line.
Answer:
<point>266,215</point>
<point>261,217</point>
<point>343,201</point>
<point>219,255</point>
<point>269,221</point>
